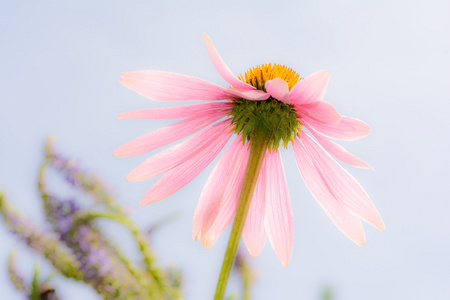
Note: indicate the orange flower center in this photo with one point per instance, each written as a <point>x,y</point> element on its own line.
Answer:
<point>257,76</point>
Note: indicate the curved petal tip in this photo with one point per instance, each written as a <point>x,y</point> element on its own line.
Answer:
<point>208,241</point>
<point>361,242</point>
<point>278,89</point>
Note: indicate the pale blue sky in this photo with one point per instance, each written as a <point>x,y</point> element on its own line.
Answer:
<point>389,64</point>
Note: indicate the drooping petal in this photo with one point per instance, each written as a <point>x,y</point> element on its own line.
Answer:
<point>278,219</point>
<point>311,89</point>
<point>215,180</point>
<point>278,89</point>
<point>222,68</point>
<point>337,150</point>
<point>181,175</point>
<point>254,233</point>
<point>349,224</point>
<point>348,129</point>
<point>169,134</point>
<point>347,191</point>
<point>178,154</point>
<point>168,86</point>
<point>222,209</point>
<point>321,112</point>
<point>176,112</point>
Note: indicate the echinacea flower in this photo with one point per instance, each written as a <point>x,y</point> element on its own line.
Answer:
<point>285,106</point>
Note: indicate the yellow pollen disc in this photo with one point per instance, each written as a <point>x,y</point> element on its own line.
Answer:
<point>257,76</point>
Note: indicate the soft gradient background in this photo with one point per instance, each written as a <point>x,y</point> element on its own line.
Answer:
<point>390,66</point>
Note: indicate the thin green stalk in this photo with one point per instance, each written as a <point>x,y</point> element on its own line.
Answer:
<point>258,148</point>
<point>35,295</point>
<point>247,280</point>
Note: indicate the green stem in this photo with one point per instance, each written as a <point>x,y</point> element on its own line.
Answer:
<point>35,295</point>
<point>247,280</point>
<point>258,148</point>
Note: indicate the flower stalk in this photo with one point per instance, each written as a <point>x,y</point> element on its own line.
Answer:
<point>258,148</point>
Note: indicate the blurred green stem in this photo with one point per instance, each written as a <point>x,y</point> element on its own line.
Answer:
<point>247,280</point>
<point>35,295</point>
<point>14,275</point>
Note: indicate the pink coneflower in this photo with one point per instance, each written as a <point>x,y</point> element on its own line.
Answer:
<point>269,102</point>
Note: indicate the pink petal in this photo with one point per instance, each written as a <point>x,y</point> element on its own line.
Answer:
<point>311,89</point>
<point>215,180</point>
<point>181,175</point>
<point>222,209</point>
<point>321,112</point>
<point>249,94</point>
<point>278,220</point>
<point>178,154</point>
<point>167,86</point>
<point>176,112</point>
<point>169,134</point>
<point>348,129</point>
<point>222,68</point>
<point>337,150</point>
<point>347,191</point>
<point>278,89</point>
<point>347,223</point>
<point>254,233</point>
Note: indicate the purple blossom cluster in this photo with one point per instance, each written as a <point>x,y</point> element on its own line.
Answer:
<point>77,247</point>
<point>70,168</point>
<point>98,258</point>
<point>78,178</point>
<point>42,241</point>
